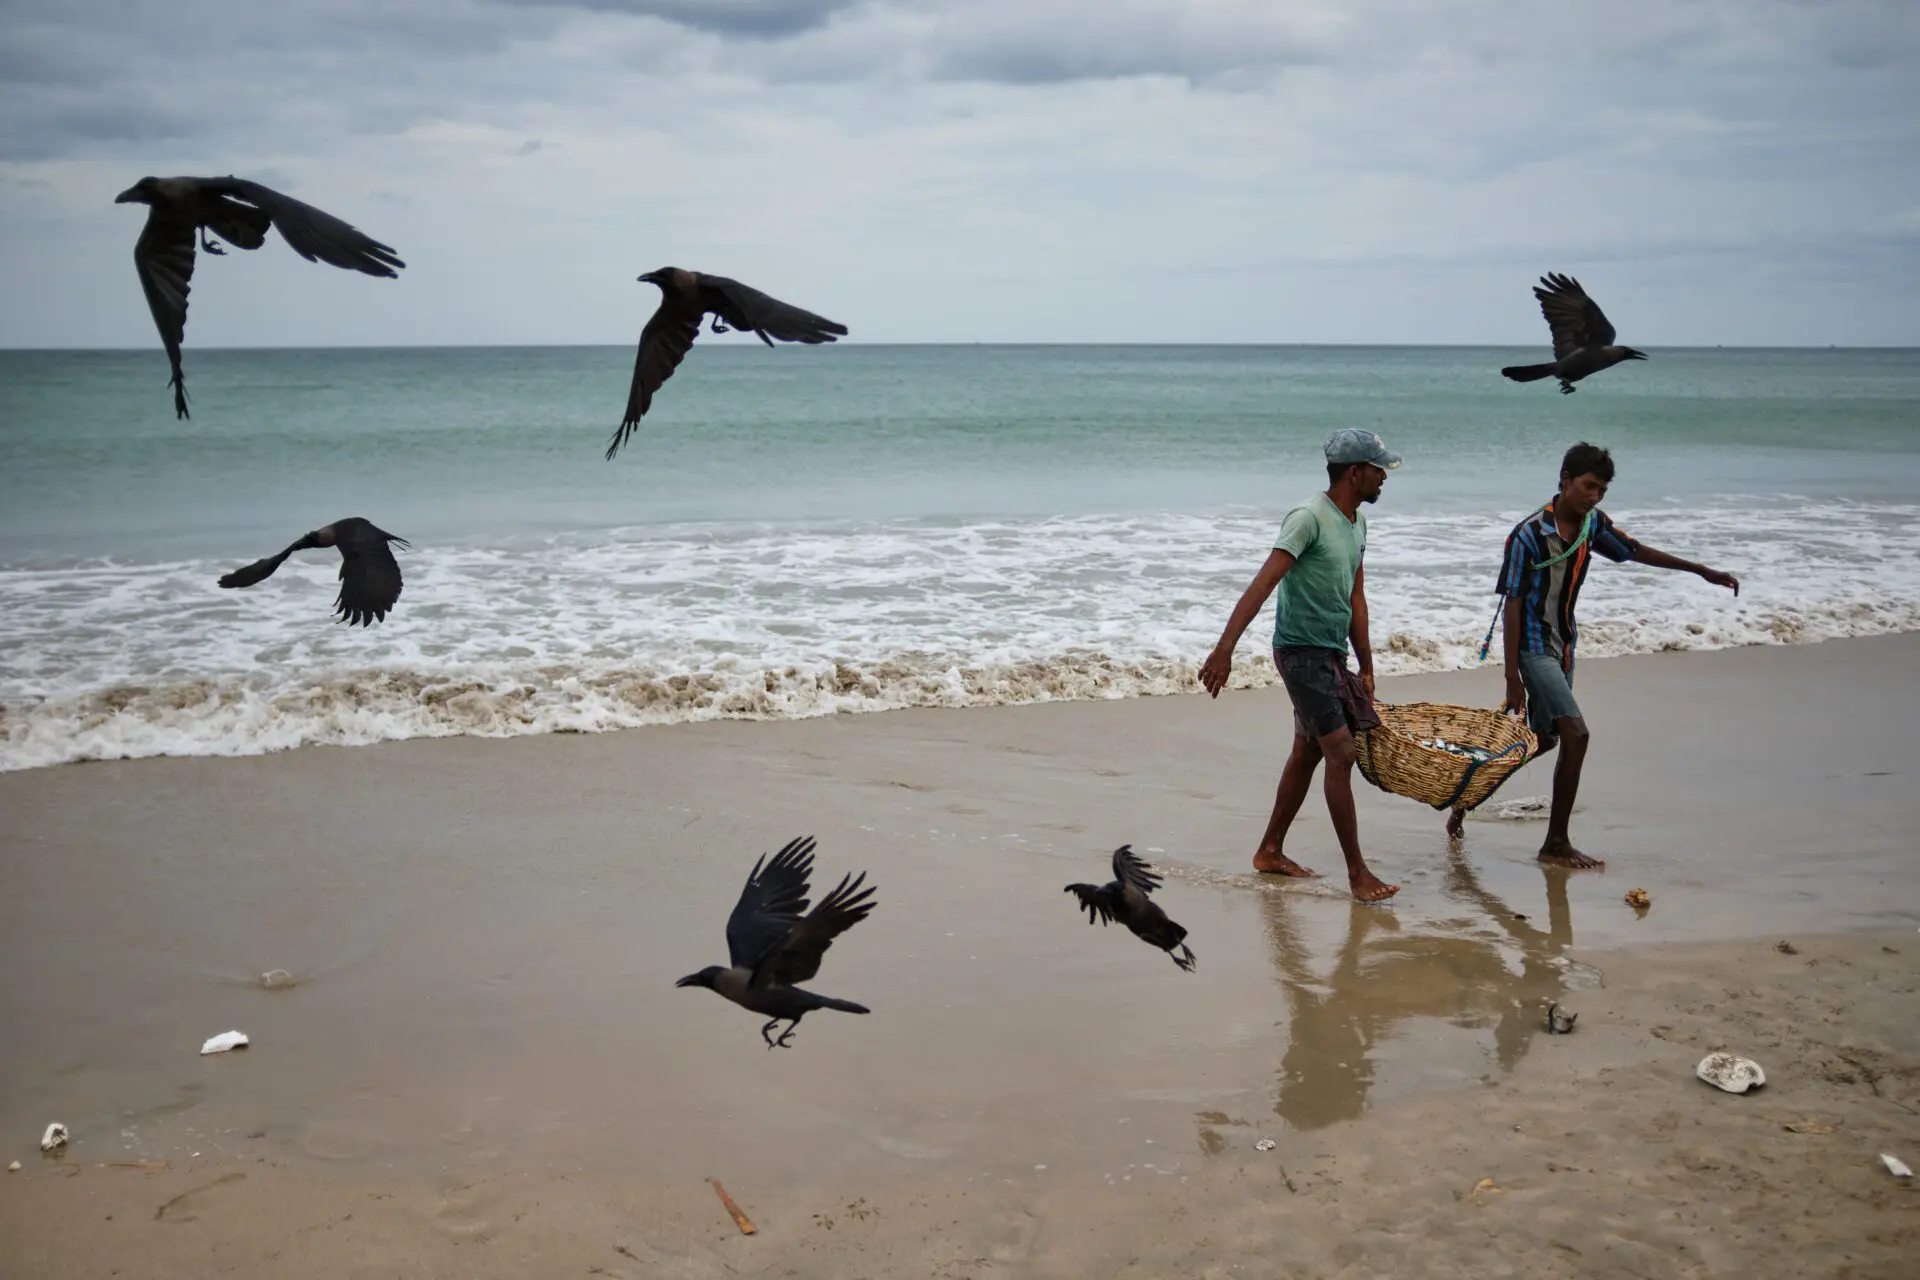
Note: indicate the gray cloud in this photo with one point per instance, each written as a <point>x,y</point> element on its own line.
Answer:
<point>861,153</point>
<point>757,19</point>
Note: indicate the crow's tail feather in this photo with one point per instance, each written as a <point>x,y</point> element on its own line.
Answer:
<point>1529,372</point>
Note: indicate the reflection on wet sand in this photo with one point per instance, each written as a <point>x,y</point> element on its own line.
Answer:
<point>1494,968</point>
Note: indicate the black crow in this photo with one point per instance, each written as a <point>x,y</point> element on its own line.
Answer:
<point>773,945</point>
<point>239,212</point>
<point>369,575</point>
<point>1125,899</point>
<point>687,297</point>
<point>1582,336</point>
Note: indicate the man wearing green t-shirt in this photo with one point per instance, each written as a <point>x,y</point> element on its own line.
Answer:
<point>1316,567</point>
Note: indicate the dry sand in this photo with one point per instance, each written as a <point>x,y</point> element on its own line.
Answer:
<point>483,1067</point>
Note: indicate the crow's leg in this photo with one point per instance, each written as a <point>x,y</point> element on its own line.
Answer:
<point>719,326</point>
<point>1186,957</point>
<point>771,1024</point>
<point>1566,388</point>
<point>210,246</point>
<point>785,1040</point>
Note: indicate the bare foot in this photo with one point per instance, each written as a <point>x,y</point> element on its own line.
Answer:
<point>1565,855</point>
<point>1274,863</point>
<point>1367,887</point>
<point>1456,824</point>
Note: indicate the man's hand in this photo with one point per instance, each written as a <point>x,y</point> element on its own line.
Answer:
<point>1516,695</point>
<point>1720,579</point>
<point>1215,670</point>
<point>1366,681</point>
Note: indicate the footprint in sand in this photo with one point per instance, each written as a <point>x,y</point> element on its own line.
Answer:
<point>185,1206</point>
<point>463,1210</point>
<point>1011,1235</point>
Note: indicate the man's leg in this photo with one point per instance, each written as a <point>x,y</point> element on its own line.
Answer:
<point>1558,847</point>
<point>1337,747</point>
<point>1295,780</point>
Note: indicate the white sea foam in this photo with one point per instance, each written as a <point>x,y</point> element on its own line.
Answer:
<point>590,632</point>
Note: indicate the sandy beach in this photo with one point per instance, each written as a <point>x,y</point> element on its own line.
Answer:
<point>482,1067</point>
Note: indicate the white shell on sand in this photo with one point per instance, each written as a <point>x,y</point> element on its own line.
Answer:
<point>14,1167</point>
<point>1896,1166</point>
<point>276,979</point>
<point>224,1041</point>
<point>54,1138</point>
<point>1265,1144</point>
<point>1735,1075</point>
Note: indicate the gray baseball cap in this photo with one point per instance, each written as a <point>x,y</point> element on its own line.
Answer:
<point>1351,444</point>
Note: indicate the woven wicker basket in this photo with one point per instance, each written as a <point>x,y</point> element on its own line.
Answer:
<point>1394,758</point>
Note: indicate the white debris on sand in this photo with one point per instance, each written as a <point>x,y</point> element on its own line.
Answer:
<point>54,1138</point>
<point>224,1041</point>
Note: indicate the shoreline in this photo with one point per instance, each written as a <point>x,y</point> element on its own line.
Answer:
<point>483,1044</point>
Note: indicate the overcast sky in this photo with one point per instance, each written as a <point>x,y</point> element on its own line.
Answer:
<point>1715,171</point>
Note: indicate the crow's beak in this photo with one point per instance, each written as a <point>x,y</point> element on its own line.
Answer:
<point>130,196</point>
<point>1635,355</point>
<point>692,979</point>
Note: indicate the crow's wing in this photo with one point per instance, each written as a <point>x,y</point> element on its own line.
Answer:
<point>259,570</point>
<point>745,307</point>
<point>1095,901</point>
<point>1575,319</point>
<point>663,345</point>
<point>315,234</point>
<point>1133,873</point>
<point>369,575</point>
<point>771,904</point>
<point>163,255</point>
<point>796,957</point>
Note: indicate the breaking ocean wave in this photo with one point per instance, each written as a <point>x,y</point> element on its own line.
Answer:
<point>617,628</point>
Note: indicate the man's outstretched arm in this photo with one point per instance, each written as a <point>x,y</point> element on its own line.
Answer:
<point>1219,664</point>
<point>1644,554</point>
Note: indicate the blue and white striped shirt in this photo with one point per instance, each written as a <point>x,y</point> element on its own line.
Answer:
<point>1547,595</point>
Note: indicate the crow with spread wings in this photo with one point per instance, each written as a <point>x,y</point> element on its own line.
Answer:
<point>1582,336</point>
<point>687,298</point>
<point>369,575</point>
<point>773,941</point>
<point>1126,898</point>
<point>239,212</point>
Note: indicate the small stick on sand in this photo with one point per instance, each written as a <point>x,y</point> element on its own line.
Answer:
<point>739,1219</point>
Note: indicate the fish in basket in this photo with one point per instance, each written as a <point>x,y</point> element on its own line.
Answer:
<point>1445,756</point>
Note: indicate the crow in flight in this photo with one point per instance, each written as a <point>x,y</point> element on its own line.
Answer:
<point>773,945</point>
<point>686,298</point>
<point>1125,899</point>
<point>1582,335</point>
<point>369,575</point>
<point>239,212</point>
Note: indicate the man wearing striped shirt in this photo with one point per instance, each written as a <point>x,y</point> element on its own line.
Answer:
<point>1547,558</point>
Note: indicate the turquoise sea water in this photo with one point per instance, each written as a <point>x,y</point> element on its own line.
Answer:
<point>803,531</point>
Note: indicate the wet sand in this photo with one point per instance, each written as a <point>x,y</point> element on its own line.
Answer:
<point>483,1059</point>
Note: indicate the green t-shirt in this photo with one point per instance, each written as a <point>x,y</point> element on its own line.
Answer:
<point>1314,603</point>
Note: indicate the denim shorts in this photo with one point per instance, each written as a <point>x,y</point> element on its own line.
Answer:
<point>1326,695</point>
<point>1549,694</point>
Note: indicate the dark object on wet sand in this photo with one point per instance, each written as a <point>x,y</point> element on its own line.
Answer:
<point>1582,335</point>
<point>1559,1022</point>
<point>686,298</point>
<point>773,942</point>
<point>369,575</point>
<point>239,212</point>
<point>1125,898</point>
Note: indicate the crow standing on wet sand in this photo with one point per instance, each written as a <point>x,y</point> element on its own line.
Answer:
<point>1582,335</point>
<point>1125,899</point>
<point>239,212</point>
<point>687,297</point>
<point>772,945</point>
<point>369,575</point>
